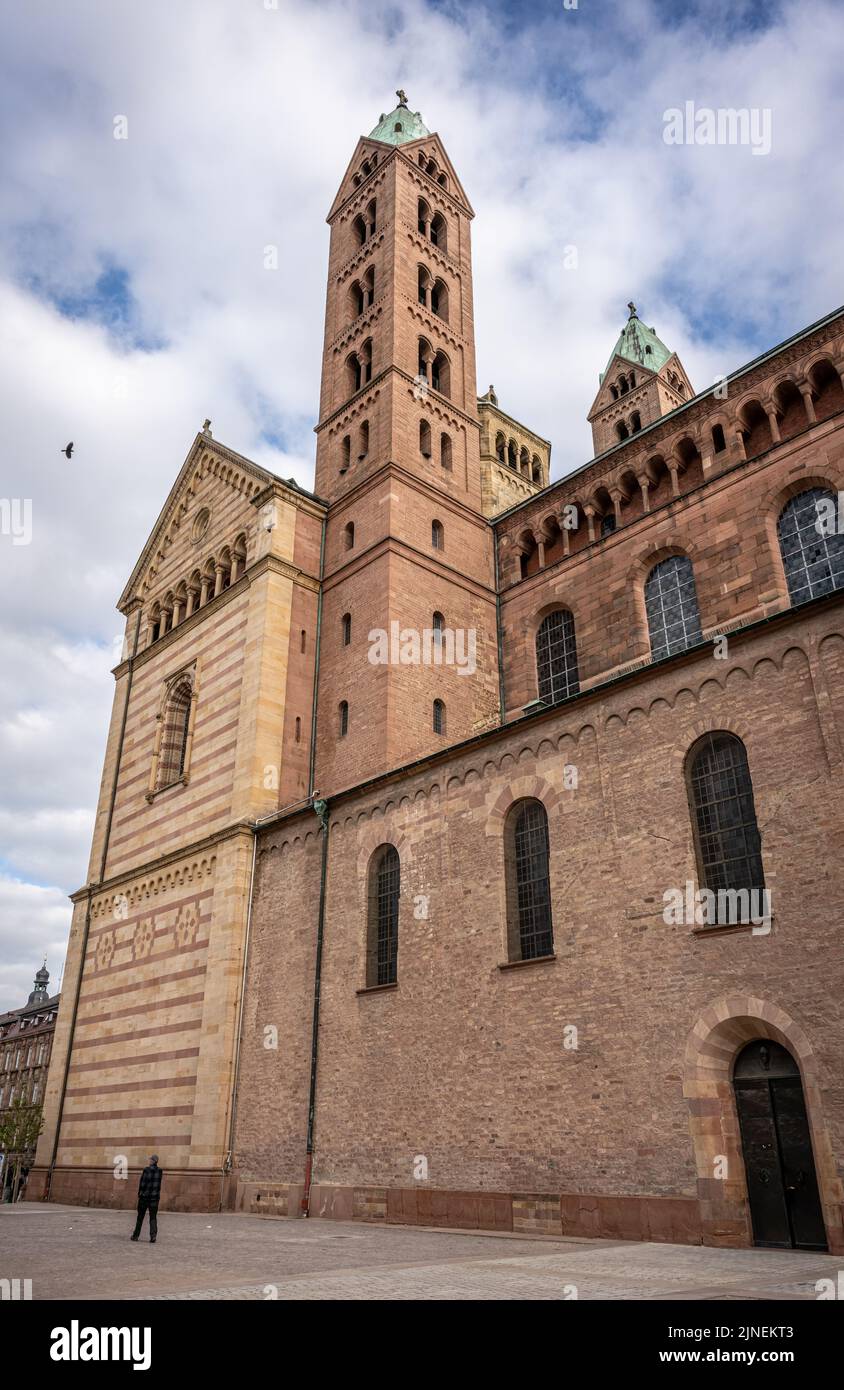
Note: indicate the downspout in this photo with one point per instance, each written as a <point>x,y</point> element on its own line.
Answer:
<point>321,809</point>
<point>501,695</point>
<point>72,1033</point>
<point>316,663</point>
<point>227,1163</point>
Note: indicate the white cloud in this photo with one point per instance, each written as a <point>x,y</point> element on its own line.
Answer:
<point>241,122</point>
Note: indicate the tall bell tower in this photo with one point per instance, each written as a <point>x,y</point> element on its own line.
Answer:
<point>408,551</point>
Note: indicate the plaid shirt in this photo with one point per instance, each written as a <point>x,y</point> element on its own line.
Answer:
<point>150,1185</point>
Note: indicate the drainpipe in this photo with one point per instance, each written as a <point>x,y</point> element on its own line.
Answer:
<point>316,663</point>
<point>501,695</point>
<point>86,932</point>
<point>321,809</point>
<point>227,1164</point>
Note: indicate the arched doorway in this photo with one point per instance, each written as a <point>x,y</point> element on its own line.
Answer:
<point>776,1144</point>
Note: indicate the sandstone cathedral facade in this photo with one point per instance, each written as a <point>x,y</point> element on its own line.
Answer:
<point>402,774</point>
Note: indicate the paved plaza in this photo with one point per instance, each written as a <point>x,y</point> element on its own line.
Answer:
<point>85,1253</point>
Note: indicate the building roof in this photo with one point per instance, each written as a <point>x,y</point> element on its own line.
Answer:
<point>401,126</point>
<point>638,343</point>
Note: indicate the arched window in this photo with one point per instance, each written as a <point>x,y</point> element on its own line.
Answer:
<point>359,229</point>
<point>719,443</point>
<point>424,285</point>
<point>811,545</point>
<point>437,535</point>
<point>529,928</point>
<point>298,729</point>
<point>438,626</point>
<point>174,738</point>
<point>346,453</point>
<point>439,717</point>
<point>500,448</point>
<point>354,373</point>
<point>607,523</point>
<point>556,656</point>
<point>344,718</point>
<point>671,604</point>
<point>635,422</point>
<point>441,374</point>
<point>622,430</point>
<point>364,439</point>
<point>382,944</point>
<point>347,628</point>
<point>349,534</point>
<point>424,439</point>
<point>439,300</point>
<point>445,450</point>
<point>727,842</point>
<point>423,217</point>
<point>439,231</point>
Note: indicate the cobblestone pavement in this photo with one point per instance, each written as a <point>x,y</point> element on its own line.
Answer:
<point>85,1253</point>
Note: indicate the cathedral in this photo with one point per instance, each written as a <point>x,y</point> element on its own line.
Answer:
<point>468,848</point>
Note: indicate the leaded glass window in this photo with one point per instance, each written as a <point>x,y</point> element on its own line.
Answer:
<point>723,815</point>
<point>671,605</point>
<point>811,546</point>
<point>556,657</point>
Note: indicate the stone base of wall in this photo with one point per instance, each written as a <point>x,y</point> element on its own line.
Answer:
<point>671,1219</point>
<point>269,1198</point>
<point>181,1189</point>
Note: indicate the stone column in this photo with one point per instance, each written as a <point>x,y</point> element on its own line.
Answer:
<point>590,514</point>
<point>644,483</point>
<point>774,423</point>
<point>808,403</point>
<point>218,578</point>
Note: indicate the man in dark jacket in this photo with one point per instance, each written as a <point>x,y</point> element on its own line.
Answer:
<point>149,1192</point>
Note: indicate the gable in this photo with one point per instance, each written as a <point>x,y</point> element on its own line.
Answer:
<point>428,151</point>
<point>619,366</point>
<point>215,480</point>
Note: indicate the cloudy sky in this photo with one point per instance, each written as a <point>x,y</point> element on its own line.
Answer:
<point>134,299</point>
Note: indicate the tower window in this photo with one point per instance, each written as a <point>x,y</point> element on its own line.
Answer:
<point>349,535</point>
<point>439,232</point>
<point>424,439</point>
<point>437,535</point>
<point>635,422</point>
<point>359,229</point>
<point>347,629</point>
<point>346,453</point>
<point>607,523</point>
<point>439,717</point>
<point>364,439</point>
<point>298,729</point>
<point>439,300</point>
<point>719,443</point>
<point>344,718</point>
<point>441,374</point>
<point>303,639</point>
<point>445,450</point>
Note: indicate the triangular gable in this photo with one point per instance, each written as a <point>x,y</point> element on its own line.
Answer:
<point>617,365</point>
<point>204,455</point>
<point>431,143</point>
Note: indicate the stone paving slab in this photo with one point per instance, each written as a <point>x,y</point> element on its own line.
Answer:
<point>85,1253</point>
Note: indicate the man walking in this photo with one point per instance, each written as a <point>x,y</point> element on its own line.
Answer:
<point>149,1192</point>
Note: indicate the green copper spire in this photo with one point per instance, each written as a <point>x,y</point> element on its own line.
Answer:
<point>400,126</point>
<point>638,343</point>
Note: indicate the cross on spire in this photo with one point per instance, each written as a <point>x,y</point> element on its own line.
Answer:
<point>632,307</point>
<point>402,96</point>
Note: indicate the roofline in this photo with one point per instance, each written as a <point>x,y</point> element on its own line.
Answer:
<point>482,400</point>
<point>672,414</point>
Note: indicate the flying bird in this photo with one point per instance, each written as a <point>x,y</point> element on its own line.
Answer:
<point>67,450</point>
